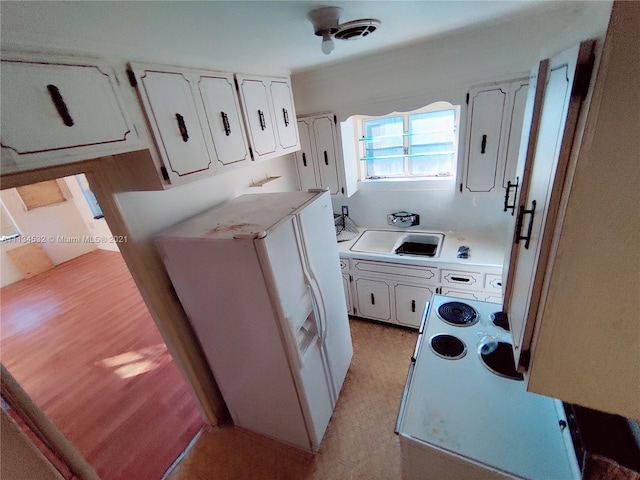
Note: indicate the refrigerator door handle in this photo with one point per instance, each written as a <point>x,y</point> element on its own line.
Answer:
<point>311,283</point>
<point>291,340</point>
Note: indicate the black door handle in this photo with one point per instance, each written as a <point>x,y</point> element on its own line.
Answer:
<point>483,146</point>
<point>61,107</point>
<point>510,185</point>
<point>521,214</point>
<point>413,305</point>
<point>373,299</point>
<point>263,124</point>
<point>182,127</point>
<point>225,123</point>
<point>326,158</point>
<point>285,115</point>
<point>304,159</point>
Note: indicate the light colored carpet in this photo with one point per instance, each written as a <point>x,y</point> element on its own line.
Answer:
<point>359,442</point>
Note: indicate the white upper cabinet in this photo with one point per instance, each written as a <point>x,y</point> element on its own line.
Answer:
<point>319,161</point>
<point>195,118</point>
<point>284,114</point>
<point>173,115</point>
<point>57,113</point>
<point>269,114</point>
<point>494,124</point>
<point>224,120</point>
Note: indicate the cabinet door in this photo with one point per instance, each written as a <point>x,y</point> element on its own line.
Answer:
<point>172,112</point>
<point>518,101</point>
<point>254,95</point>
<point>374,299</point>
<point>284,115</point>
<point>327,152</point>
<point>347,293</point>
<point>48,107</point>
<point>410,302</point>
<point>305,163</point>
<point>224,122</point>
<point>557,114</point>
<point>485,123</point>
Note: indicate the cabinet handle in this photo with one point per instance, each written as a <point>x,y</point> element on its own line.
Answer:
<point>373,299</point>
<point>460,279</point>
<point>304,159</point>
<point>521,214</point>
<point>510,185</point>
<point>413,305</point>
<point>285,115</point>
<point>61,107</point>
<point>483,146</point>
<point>182,127</point>
<point>225,123</point>
<point>263,124</point>
<point>326,158</point>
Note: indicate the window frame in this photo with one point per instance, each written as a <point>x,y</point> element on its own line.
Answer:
<point>407,177</point>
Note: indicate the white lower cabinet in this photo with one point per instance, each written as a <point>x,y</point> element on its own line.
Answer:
<point>397,293</point>
<point>374,299</point>
<point>410,302</point>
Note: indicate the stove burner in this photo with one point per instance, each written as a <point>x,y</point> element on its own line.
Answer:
<point>500,319</point>
<point>448,346</point>
<point>458,314</point>
<point>501,362</point>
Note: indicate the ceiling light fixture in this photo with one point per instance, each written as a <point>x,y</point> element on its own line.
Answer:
<point>325,25</point>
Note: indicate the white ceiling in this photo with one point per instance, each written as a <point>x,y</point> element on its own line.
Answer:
<point>237,35</point>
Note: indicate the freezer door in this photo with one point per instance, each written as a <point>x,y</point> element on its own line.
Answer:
<point>294,297</point>
<point>323,262</point>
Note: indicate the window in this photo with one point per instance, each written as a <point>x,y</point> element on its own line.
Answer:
<point>8,229</point>
<point>416,145</point>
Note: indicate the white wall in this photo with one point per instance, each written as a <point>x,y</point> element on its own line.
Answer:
<point>50,223</point>
<point>97,227</point>
<point>148,213</point>
<point>441,69</point>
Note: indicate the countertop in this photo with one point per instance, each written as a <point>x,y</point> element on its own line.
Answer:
<point>485,249</point>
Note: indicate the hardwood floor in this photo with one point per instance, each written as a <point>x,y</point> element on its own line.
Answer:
<point>81,342</point>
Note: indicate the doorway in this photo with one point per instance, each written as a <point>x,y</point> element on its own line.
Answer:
<point>80,340</point>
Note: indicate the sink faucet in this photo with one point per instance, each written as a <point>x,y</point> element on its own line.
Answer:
<point>403,219</point>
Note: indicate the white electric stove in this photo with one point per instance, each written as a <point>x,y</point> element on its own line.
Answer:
<point>465,412</point>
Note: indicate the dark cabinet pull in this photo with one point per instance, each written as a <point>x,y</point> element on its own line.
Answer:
<point>285,114</point>
<point>483,146</point>
<point>460,279</point>
<point>263,124</point>
<point>373,299</point>
<point>182,127</point>
<point>521,215</point>
<point>510,185</point>
<point>326,158</point>
<point>225,123</point>
<point>413,305</point>
<point>61,107</point>
<point>304,159</point>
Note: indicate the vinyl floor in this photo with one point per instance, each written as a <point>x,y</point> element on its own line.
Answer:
<point>359,443</point>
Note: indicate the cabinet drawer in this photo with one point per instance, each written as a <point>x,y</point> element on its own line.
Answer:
<point>472,280</point>
<point>468,294</point>
<point>363,267</point>
<point>493,282</point>
<point>344,265</point>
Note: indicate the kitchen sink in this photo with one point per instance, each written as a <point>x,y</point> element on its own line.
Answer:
<point>394,242</point>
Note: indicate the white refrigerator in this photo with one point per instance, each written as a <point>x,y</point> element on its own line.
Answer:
<point>259,278</point>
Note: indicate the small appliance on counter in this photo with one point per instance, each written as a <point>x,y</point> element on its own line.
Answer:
<point>465,412</point>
